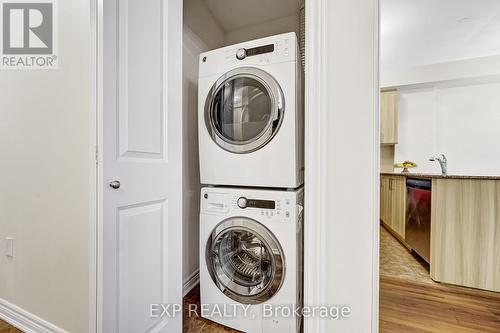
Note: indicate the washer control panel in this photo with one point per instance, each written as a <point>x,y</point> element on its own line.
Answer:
<point>265,206</point>
<point>243,203</point>
<point>279,208</point>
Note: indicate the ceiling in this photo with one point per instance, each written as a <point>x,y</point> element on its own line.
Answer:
<point>236,14</point>
<point>423,32</point>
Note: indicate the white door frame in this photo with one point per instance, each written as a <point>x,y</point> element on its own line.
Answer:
<point>314,234</point>
<point>316,168</point>
<point>95,165</point>
<point>97,240</point>
<point>99,148</point>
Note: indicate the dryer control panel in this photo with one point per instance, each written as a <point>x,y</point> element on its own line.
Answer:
<point>264,51</point>
<point>280,50</point>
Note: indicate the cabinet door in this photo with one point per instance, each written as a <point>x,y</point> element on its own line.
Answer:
<point>389,106</point>
<point>398,205</point>
<point>382,198</point>
<point>385,203</point>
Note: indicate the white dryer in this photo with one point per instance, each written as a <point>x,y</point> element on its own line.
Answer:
<point>251,257</point>
<point>250,114</point>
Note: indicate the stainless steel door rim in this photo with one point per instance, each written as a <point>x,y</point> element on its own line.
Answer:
<point>233,265</point>
<point>276,111</point>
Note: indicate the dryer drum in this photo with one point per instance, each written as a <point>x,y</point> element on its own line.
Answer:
<point>244,110</point>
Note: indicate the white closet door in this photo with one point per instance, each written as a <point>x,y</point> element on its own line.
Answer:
<point>142,227</point>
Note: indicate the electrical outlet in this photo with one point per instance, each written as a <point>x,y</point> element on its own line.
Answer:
<point>9,247</point>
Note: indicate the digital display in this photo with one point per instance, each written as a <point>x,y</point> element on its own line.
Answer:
<point>260,50</point>
<point>266,204</point>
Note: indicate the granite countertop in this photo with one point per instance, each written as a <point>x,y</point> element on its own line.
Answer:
<point>428,175</point>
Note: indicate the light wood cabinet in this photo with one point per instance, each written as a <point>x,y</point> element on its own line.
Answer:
<point>398,205</point>
<point>465,232</point>
<point>393,203</point>
<point>385,199</point>
<point>389,109</point>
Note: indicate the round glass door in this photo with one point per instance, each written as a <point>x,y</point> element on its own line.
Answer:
<point>244,110</point>
<point>245,261</point>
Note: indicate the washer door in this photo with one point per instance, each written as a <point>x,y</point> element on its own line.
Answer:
<point>244,110</point>
<point>245,260</point>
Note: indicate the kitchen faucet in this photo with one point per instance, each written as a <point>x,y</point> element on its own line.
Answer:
<point>443,162</point>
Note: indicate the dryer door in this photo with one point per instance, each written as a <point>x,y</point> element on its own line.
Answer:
<point>245,260</point>
<point>244,110</point>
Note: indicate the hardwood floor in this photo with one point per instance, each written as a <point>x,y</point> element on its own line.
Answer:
<point>195,323</point>
<point>411,302</point>
<point>7,328</point>
<point>415,307</point>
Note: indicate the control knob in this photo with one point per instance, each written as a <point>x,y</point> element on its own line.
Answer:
<point>241,54</point>
<point>242,202</point>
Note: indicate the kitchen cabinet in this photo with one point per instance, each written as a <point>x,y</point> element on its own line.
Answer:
<point>393,203</point>
<point>465,232</point>
<point>385,199</point>
<point>389,108</point>
<point>398,205</point>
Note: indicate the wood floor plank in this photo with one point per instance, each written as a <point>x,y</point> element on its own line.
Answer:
<point>411,302</point>
<point>406,306</point>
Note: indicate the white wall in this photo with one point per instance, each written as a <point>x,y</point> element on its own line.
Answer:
<point>45,148</point>
<point>202,23</point>
<point>352,159</point>
<point>342,161</point>
<point>417,129</point>
<point>462,122</point>
<point>274,27</point>
<point>193,45</point>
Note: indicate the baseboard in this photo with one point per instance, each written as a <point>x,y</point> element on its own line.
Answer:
<point>26,321</point>
<point>191,281</point>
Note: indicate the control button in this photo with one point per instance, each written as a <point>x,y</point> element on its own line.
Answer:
<point>242,202</point>
<point>287,214</point>
<point>241,54</point>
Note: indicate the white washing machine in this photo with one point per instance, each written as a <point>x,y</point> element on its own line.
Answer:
<point>251,257</point>
<point>250,114</point>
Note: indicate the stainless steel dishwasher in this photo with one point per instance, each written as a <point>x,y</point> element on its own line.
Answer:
<point>418,216</point>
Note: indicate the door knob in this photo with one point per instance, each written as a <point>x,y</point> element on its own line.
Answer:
<point>115,184</point>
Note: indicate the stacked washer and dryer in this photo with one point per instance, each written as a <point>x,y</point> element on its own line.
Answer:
<point>250,123</point>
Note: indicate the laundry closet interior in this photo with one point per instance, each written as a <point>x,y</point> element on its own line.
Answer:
<point>243,154</point>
